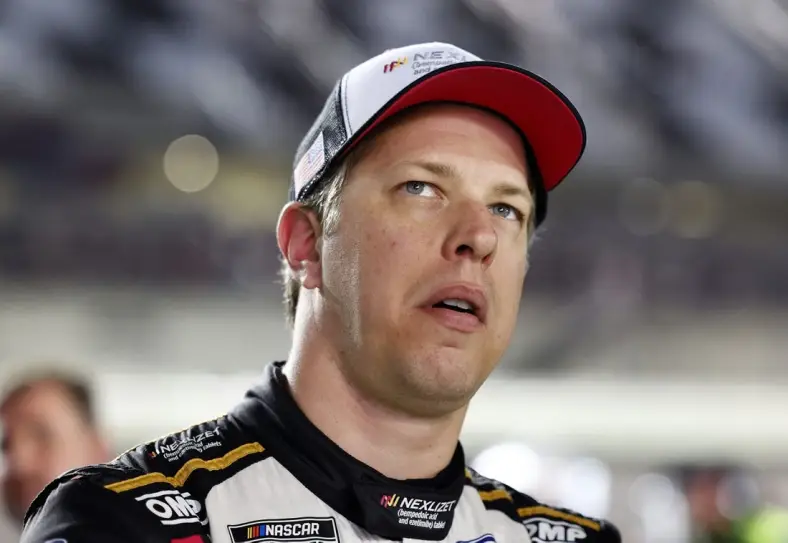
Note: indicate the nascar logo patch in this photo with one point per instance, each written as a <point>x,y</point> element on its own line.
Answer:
<point>304,530</point>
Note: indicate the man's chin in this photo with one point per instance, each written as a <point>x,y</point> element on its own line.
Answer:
<point>447,372</point>
<point>430,336</point>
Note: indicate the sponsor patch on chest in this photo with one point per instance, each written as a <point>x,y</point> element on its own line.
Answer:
<point>303,530</point>
<point>543,530</point>
<point>173,507</point>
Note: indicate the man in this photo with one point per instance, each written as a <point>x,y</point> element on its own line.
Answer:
<point>48,427</point>
<point>414,198</point>
<point>724,507</point>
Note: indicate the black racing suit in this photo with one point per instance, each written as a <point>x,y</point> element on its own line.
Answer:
<point>264,473</point>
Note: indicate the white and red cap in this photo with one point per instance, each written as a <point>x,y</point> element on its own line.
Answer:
<point>387,84</point>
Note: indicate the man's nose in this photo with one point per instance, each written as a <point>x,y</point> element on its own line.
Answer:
<point>473,235</point>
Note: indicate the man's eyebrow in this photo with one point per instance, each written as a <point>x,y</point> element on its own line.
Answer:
<point>509,189</point>
<point>436,168</point>
<point>448,171</point>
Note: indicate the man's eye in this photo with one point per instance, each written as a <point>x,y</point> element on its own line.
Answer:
<point>506,211</point>
<point>419,188</point>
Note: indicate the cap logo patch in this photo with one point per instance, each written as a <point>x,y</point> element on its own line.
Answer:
<point>395,64</point>
<point>428,61</point>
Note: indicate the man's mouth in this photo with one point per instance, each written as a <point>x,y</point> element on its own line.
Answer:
<point>454,304</point>
<point>461,306</point>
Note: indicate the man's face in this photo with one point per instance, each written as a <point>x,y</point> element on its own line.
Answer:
<point>43,435</point>
<point>437,209</point>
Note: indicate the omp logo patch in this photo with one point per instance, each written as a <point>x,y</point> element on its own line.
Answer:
<point>305,530</point>
<point>543,530</point>
<point>172,507</point>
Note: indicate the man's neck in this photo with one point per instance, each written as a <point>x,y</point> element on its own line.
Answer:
<point>397,445</point>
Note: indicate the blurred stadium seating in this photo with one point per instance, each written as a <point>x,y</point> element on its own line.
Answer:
<point>145,152</point>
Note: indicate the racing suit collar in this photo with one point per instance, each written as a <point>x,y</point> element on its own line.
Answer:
<point>394,509</point>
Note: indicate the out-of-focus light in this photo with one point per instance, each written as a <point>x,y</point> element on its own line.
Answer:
<point>661,507</point>
<point>738,494</point>
<point>695,209</point>
<point>191,163</point>
<point>643,207</point>
<point>770,524</point>
<point>653,493</point>
<point>514,464</point>
<point>584,486</point>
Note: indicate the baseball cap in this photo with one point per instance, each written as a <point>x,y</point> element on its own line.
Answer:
<point>398,79</point>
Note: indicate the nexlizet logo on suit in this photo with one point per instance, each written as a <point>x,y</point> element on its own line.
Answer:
<point>418,512</point>
<point>416,504</point>
<point>389,500</point>
<point>178,449</point>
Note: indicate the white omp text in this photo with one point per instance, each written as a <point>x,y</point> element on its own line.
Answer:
<point>172,507</point>
<point>553,531</point>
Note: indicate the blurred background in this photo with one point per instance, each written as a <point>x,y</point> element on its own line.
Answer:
<point>146,149</point>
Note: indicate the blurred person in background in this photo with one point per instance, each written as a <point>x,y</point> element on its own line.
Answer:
<point>415,198</point>
<point>48,426</point>
<point>724,507</point>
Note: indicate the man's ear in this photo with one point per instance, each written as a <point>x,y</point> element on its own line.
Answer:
<point>297,235</point>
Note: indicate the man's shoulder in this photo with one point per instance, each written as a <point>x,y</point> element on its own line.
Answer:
<point>544,523</point>
<point>169,476</point>
<point>212,450</point>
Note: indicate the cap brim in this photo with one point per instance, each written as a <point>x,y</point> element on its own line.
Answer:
<point>547,119</point>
